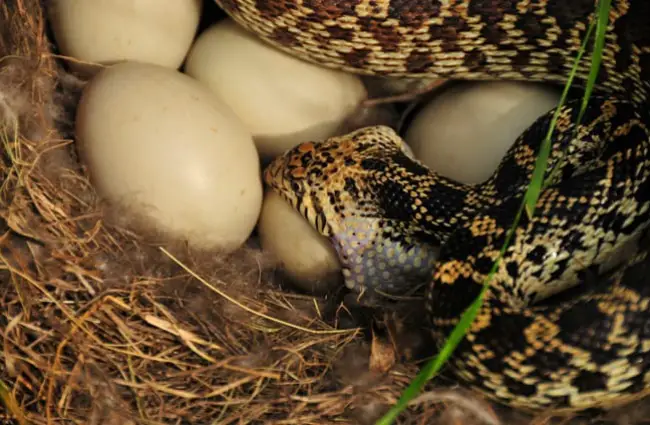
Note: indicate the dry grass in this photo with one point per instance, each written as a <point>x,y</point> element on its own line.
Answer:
<point>99,324</point>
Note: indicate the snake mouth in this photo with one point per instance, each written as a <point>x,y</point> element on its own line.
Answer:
<point>287,175</point>
<point>277,177</point>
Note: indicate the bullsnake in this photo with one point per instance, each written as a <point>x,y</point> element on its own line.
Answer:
<point>547,337</point>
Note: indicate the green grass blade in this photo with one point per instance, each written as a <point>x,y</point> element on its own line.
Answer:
<point>537,182</point>
<point>456,336</point>
<point>596,59</point>
<point>604,7</point>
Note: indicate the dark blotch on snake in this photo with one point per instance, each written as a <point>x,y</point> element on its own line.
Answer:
<point>413,13</point>
<point>272,9</point>
<point>284,37</point>
<point>357,58</point>
<point>388,36</point>
<point>330,9</point>
<point>418,62</point>
<point>338,33</point>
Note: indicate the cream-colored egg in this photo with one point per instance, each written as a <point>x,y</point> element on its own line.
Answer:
<point>283,100</point>
<point>109,31</point>
<point>155,140</point>
<point>304,254</point>
<point>464,132</point>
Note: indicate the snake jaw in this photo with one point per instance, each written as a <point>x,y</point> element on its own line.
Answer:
<point>376,262</point>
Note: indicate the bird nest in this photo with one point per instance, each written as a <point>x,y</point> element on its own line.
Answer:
<point>102,323</point>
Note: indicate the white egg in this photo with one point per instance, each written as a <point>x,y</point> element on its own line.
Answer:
<point>465,130</point>
<point>305,255</point>
<point>109,31</point>
<point>283,100</point>
<point>158,142</point>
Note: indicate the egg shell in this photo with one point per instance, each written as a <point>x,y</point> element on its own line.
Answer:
<point>283,100</point>
<point>109,31</point>
<point>157,141</point>
<point>306,256</point>
<point>464,131</point>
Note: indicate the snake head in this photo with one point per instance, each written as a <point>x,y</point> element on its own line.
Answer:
<point>340,186</point>
<point>326,181</point>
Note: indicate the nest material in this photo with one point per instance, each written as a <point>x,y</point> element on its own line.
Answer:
<point>99,324</point>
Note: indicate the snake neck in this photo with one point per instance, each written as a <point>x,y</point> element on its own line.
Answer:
<point>390,224</point>
<point>417,201</point>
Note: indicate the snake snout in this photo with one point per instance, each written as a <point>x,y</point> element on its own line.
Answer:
<point>291,175</point>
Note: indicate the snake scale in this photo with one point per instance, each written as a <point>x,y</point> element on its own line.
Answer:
<point>548,336</point>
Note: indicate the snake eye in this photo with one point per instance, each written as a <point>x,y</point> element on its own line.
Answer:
<point>295,187</point>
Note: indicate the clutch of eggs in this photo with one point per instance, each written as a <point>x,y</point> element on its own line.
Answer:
<point>183,148</point>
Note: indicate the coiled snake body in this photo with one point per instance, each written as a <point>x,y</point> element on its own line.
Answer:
<point>547,336</point>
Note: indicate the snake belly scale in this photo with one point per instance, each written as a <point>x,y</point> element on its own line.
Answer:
<point>547,337</point>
